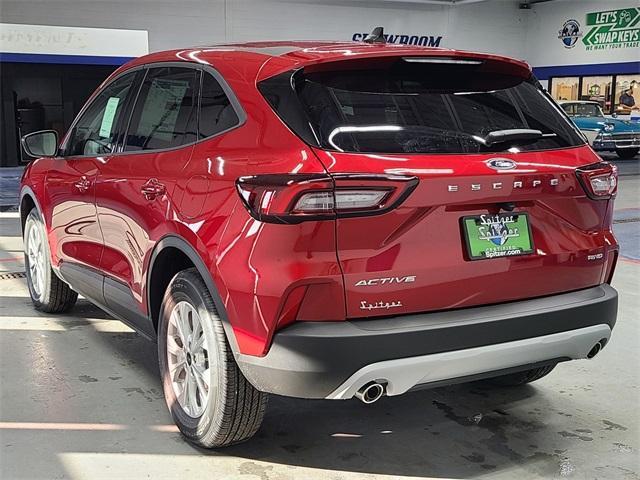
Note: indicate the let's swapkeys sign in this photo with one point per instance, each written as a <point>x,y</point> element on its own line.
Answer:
<point>604,30</point>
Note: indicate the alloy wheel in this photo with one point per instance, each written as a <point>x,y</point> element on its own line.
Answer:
<point>189,358</point>
<point>35,255</point>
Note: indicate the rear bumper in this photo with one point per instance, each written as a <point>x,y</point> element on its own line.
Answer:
<point>334,359</point>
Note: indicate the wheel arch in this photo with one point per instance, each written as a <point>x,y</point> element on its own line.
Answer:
<point>28,201</point>
<point>164,248</point>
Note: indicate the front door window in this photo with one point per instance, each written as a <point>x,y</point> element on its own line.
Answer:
<point>96,131</point>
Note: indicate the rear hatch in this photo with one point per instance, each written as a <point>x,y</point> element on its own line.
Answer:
<point>498,212</point>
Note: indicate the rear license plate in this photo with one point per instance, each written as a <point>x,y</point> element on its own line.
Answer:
<point>499,235</point>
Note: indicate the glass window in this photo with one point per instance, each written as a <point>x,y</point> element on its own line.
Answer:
<point>597,89</point>
<point>564,88</point>
<point>164,115</point>
<point>216,112</point>
<point>583,109</point>
<point>412,110</point>
<point>96,132</point>
<point>569,108</point>
<point>588,110</point>
<point>628,94</point>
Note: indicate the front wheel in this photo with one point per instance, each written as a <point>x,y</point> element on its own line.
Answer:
<point>48,292</point>
<point>210,400</point>
<point>627,153</point>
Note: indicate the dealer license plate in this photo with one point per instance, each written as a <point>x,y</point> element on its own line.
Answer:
<point>497,235</point>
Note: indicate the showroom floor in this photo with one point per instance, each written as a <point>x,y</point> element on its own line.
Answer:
<point>80,399</point>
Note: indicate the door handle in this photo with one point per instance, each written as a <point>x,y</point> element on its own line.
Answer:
<point>152,189</point>
<point>83,184</point>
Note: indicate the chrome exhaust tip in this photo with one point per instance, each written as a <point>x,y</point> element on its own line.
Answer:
<point>371,392</point>
<point>596,349</point>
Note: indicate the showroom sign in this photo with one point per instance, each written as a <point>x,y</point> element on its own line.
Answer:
<point>613,29</point>
<point>423,40</point>
<point>604,30</point>
<point>55,40</point>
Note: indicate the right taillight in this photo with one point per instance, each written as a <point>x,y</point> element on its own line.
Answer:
<point>295,198</point>
<point>599,180</point>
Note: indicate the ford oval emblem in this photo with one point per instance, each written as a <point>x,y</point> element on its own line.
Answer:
<point>501,164</point>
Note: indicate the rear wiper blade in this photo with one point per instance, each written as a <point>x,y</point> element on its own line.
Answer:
<point>514,136</point>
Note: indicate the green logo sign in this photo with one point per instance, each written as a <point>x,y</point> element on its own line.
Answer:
<point>613,29</point>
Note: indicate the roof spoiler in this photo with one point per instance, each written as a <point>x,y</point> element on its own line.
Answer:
<point>376,36</point>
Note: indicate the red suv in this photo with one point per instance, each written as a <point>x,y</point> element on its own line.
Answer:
<point>325,220</point>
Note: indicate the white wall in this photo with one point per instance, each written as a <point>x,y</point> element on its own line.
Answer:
<point>170,23</point>
<point>495,26</point>
<point>460,26</point>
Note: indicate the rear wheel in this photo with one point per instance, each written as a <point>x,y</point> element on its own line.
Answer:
<point>627,153</point>
<point>211,402</point>
<point>48,292</point>
<point>520,378</point>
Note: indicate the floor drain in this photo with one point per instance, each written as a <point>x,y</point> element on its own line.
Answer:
<point>9,276</point>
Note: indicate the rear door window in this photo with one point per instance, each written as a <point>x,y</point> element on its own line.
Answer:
<point>165,114</point>
<point>418,108</point>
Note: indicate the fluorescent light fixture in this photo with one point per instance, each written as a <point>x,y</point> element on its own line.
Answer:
<point>442,60</point>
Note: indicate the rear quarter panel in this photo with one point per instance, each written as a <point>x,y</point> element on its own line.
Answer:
<point>256,266</point>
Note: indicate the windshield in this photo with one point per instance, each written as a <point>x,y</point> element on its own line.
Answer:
<point>583,110</point>
<point>417,108</point>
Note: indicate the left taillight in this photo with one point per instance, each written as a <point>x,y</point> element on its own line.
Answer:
<point>599,180</point>
<point>295,198</point>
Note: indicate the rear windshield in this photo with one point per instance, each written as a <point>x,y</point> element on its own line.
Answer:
<point>407,107</point>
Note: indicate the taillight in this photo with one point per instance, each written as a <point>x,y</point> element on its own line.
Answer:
<point>599,180</point>
<point>341,200</point>
<point>295,198</point>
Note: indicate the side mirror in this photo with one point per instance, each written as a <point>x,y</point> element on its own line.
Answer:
<point>41,144</point>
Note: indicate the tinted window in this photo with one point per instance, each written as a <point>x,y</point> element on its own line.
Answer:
<point>216,112</point>
<point>96,132</point>
<point>417,108</point>
<point>164,115</point>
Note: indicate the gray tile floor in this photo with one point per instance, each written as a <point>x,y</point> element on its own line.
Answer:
<point>80,399</point>
<point>9,186</point>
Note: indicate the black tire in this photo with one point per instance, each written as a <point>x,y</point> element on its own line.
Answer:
<point>54,295</point>
<point>627,153</point>
<point>521,378</point>
<point>234,409</point>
